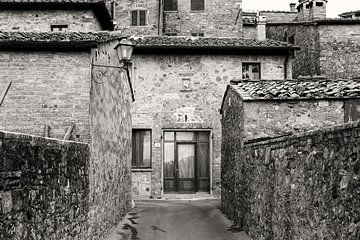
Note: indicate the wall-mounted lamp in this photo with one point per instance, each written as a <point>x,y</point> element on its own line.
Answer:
<point>124,50</point>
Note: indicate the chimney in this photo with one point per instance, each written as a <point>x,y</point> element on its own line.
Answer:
<point>261,28</point>
<point>292,7</point>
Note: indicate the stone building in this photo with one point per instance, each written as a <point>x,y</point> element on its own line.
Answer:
<point>48,84</point>
<point>58,15</point>
<point>268,109</point>
<point>328,46</point>
<point>178,83</point>
<point>210,18</point>
<point>350,15</point>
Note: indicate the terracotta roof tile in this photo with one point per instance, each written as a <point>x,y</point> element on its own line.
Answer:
<point>297,89</point>
<point>204,42</point>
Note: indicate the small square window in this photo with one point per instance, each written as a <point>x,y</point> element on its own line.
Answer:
<point>138,18</point>
<point>170,5</point>
<point>197,5</point>
<point>197,34</point>
<point>58,27</point>
<point>251,71</point>
<point>141,149</point>
<point>170,34</point>
<point>319,4</point>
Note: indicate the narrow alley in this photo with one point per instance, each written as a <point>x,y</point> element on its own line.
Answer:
<point>177,220</point>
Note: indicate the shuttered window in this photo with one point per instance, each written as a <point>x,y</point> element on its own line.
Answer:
<point>138,18</point>
<point>197,5</point>
<point>170,5</point>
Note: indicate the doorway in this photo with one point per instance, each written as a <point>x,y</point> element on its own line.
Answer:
<point>186,161</point>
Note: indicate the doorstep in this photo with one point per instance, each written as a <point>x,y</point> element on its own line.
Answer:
<point>196,196</point>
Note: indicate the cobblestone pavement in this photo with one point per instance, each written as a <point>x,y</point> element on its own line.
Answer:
<point>176,220</point>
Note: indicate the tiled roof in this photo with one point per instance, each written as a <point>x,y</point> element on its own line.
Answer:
<point>204,42</point>
<point>297,89</point>
<point>8,39</point>
<point>97,6</point>
<point>349,13</point>
<point>50,1</point>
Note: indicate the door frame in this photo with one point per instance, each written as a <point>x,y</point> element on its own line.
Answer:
<point>211,138</point>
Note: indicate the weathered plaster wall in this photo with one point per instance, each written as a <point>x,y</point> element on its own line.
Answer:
<point>123,17</point>
<point>41,20</point>
<point>250,31</point>
<point>162,102</point>
<point>275,16</point>
<point>271,119</point>
<point>110,161</point>
<point>340,50</point>
<point>220,18</point>
<point>48,88</point>
<point>44,188</point>
<point>307,59</point>
<point>300,187</point>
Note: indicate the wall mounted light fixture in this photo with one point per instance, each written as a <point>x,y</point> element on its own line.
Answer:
<point>124,50</point>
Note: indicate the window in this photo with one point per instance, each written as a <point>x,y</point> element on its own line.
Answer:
<point>197,5</point>
<point>141,149</point>
<point>170,34</point>
<point>319,4</point>
<point>197,34</point>
<point>138,18</point>
<point>170,5</point>
<point>251,71</point>
<point>292,39</point>
<point>58,27</point>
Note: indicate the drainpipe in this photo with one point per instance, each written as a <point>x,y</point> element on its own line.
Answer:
<point>285,66</point>
<point>161,18</point>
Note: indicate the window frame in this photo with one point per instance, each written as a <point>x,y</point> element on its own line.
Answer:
<point>138,17</point>
<point>250,63</point>
<point>174,4</point>
<point>132,149</point>
<point>192,3</point>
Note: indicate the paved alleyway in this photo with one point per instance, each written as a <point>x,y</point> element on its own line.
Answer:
<point>176,220</point>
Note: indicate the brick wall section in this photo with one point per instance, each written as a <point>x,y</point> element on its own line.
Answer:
<point>44,188</point>
<point>306,60</point>
<point>270,119</point>
<point>221,18</point>
<point>110,162</point>
<point>159,98</point>
<point>339,50</point>
<point>123,17</point>
<point>299,187</point>
<point>41,20</point>
<point>50,88</point>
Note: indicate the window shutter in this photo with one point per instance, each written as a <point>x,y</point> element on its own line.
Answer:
<point>134,18</point>
<point>142,17</point>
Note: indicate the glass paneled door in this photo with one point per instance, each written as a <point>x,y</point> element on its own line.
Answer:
<point>186,161</point>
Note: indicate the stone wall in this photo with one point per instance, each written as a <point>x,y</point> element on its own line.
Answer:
<point>48,88</point>
<point>272,119</point>
<point>278,16</point>
<point>299,187</point>
<point>220,18</point>
<point>110,161</point>
<point>307,59</point>
<point>161,98</point>
<point>41,20</point>
<point>122,17</point>
<point>44,188</point>
<point>340,50</point>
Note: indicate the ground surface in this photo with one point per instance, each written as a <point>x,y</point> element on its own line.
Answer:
<point>177,220</point>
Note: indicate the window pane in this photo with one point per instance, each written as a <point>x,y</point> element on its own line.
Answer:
<point>141,149</point>
<point>185,136</point>
<point>186,155</point>
<point>134,18</point>
<point>142,17</point>
<point>169,136</point>
<point>197,5</point>
<point>204,136</point>
<point>170,5</point>
<point>169,160</point>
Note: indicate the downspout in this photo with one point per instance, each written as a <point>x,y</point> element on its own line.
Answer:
<point>160,24</point>
<point>286,65</point>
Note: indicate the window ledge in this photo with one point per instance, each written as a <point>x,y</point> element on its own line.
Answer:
<point>171,11</point>
<point>197,11</point>
<point>186,90</point>
<point>142,170</point>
